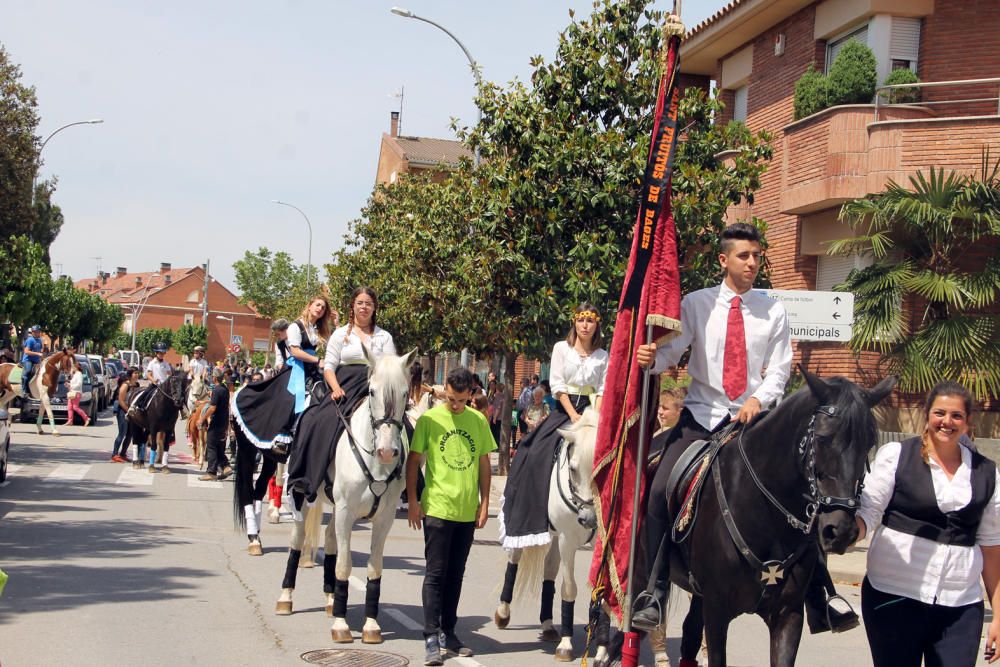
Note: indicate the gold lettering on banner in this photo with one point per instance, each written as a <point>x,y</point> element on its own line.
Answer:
<point>654,194</point>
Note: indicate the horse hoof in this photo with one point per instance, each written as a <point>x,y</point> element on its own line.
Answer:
<point>283,608</point>
<point>342,636</point>
<point>165,470</point>
<point>152,469</point>
<point>500,621</point>
<point>550,635</point>
<point>255,549</point>
<point>329,610</point>
<point>306,563</point>
<point>371,636</point>
<point>564,655</point>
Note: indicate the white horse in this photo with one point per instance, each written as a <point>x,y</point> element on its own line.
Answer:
<point>368,477</point>
<point>572,522</point>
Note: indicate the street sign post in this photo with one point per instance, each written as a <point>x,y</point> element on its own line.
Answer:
<point>237,339</point>
<point>236,349</point>
<point>818,316</point>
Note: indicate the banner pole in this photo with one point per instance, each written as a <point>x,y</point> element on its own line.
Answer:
<point>630,650</point>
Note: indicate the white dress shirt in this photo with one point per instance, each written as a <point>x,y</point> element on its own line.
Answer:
<point>198,367</point>
<point>704,317</point>
<point>915,567</point>
<point>161,370</point>
<point>569,369</point>
<point>340,352</point>
<point>295,336</point>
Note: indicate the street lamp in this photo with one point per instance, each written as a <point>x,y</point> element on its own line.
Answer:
<point>407,14</point>
<point>230,320</point>
<point>38,165</point>
<point>308,224</point>
<point>136,312</point>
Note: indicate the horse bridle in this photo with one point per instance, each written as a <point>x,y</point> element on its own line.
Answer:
<point>573,500</point>
<point>378,487</point>
<point>159,388</point>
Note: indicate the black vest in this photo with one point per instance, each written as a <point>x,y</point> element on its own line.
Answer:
<point>311,369</point>
<point>913,508</point>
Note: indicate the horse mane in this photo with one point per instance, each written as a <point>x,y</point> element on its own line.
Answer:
<point>389,375</point>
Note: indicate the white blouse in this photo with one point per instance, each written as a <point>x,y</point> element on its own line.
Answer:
<point>569,369</point>
<point>295,337</point>
<point>339,351</point>
<point>916,567</point>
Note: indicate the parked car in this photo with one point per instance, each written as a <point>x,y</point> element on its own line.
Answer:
<point>114,368</point>
<point>105,380</point>
<point>129,358</point>
<point>88,398</point>
<point>4,444</point>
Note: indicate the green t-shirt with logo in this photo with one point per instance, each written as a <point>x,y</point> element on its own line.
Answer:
<point>451,445</point>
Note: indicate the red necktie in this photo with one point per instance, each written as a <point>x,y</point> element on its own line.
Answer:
<point>734,361</point>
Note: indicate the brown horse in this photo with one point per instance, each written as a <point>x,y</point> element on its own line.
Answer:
<point>45,381</point>
<point>197,433</point>
<point>8,390</point>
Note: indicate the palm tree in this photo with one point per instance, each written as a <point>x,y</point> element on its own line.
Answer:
<point>926,303</point>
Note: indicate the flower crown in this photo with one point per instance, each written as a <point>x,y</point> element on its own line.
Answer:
<point>584,314</point>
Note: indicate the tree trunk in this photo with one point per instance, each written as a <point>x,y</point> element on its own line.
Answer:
<point>508,405</point>
<point>430,365</point>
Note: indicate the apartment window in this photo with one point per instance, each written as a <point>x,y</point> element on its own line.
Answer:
<point>831,270</point>
<point>834,46</point>
<point>188,318</point>
<point>193,297</point>
<point>904,43</point>
<point>260,345</point>
<point>740,104</point>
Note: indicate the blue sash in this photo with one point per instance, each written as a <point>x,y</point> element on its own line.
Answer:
<point>297,383</point>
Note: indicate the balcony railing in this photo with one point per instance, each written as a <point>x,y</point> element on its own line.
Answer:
<point>882,92</point>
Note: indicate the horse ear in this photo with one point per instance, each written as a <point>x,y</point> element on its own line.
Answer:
<point>877,394</point>
<point>409,358</point>
<point>817,385</point>
<point>369,359</point>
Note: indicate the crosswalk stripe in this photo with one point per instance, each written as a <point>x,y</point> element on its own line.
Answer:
<point>134,477</point>
<point>194,482</point>
<point>13,468</point>
<point>468,662</point>
<point>357,584</point>
<point>69,471</point>
<point>403,619</point>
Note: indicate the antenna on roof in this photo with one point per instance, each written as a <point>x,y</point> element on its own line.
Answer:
<point>398,94</point>
<point>99,266</point>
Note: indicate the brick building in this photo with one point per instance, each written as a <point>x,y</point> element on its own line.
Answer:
<point>174,297</point>
<point>755,50</point>
<point>401,154</point>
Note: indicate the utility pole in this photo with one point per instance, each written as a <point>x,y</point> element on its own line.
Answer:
<point>204,299</point>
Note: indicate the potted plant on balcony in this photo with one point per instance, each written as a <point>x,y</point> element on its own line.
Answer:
<point>901,95</point>
<point>851,80</point>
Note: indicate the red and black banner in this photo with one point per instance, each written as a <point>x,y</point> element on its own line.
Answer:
<point>650,295</point>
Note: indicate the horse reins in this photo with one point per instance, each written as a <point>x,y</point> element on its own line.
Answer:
<point>573,500</point>
<point>356,449</point>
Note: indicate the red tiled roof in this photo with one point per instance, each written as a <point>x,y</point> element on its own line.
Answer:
<point>431,152</point>
<point>714,18</point>
<point>124,290</point>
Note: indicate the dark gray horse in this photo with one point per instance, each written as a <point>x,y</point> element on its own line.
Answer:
<point>157,422</point>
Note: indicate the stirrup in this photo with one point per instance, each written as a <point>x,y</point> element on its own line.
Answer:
<point>844,627</point>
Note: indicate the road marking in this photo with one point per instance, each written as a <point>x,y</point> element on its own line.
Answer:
<point>5,484</point>
<point>403,619</point>
<point>194,482</point>
<point>14,468</point>
<point>468,662</point>
<point>357,584</point>
<point>69,471</point>
<point>134,477</point>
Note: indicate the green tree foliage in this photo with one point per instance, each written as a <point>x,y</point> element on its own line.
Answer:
<point>145,339</point>
<point>189,336</point>
<point>18,149</point>
<point>924,305</point>
<point>121,341</point>
<point>901,95</point>
<point>852,76</point>
<point>811,93</point>
<point>24,279</point>
<point>98,320</point>
<point>269,281</point>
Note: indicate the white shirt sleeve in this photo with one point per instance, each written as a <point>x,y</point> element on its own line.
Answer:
<point>988,534</point>
<point>333,348</point>
<point>879,486</point>
<point>557,372</point>
<point>668,354</point>
<point>294,335</point>
<point>390,345</point>
<point>777,361</point>
<point>604,376</point>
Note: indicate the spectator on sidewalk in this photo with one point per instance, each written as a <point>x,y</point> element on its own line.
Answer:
<point>75,384</point>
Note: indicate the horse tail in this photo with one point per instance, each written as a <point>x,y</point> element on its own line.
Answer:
<point>243,482</point>
<point>530,571</point>
<point>312,528</point>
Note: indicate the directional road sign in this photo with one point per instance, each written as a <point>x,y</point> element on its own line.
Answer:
<point>824,316</point>
<point>236,349</point>
<point>237,339</point>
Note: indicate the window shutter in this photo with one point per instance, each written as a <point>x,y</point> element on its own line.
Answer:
<point>904,44</point>
<point>831,270</point>
<point>833,48</point>
<point>740,104</point>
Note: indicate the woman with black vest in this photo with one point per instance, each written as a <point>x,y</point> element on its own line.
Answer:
<point>932,503</point>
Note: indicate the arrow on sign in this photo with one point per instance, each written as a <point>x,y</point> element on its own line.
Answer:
<point>836,299</point>
<point>836,316</point>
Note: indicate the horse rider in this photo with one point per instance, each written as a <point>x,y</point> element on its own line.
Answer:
<point>281,351</point>
<point>198,367</point>
<point>157,370</point>
<point>32,356</point>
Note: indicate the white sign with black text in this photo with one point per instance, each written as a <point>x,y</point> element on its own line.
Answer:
<point>821,316</point>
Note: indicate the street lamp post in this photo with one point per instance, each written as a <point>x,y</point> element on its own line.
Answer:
<point>309,225</point>
<point>230,320</point>
<point>406,13</point>
<point>38,165</point>
<point>136,312</point>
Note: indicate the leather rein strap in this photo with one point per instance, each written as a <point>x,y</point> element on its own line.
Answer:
<point>378,487</point>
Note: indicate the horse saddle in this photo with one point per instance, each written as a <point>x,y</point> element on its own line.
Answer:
<point>16,376</point>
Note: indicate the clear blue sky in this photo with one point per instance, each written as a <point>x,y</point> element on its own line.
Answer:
<point>213,109</point>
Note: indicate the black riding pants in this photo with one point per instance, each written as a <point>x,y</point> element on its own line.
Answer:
<point>902,631</point>
<point>446,549</point>
<point>215,450</point>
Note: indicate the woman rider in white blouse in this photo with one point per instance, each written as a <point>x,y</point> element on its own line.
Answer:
<point>577,373</point>
<point>932,503</point>
<point>346,373</point>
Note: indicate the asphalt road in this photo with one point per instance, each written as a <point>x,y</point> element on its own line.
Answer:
<point>110,566</point>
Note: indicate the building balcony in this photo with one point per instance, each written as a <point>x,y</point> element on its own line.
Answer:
<point>842,153</point>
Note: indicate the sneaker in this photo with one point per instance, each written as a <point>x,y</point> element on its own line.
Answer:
<point>117,459</point>
<point>432,651</point>
<point>452,645</point>
<point>226,473</point>
<point>209,477</point>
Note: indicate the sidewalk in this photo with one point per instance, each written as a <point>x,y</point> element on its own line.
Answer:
<point>846,569</point>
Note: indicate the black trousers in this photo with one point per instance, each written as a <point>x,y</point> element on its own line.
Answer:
<point>446,549</point>
<point>215,451</point>
<point>902,631</point>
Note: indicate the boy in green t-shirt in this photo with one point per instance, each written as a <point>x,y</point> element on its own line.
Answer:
<point>454,441</point>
